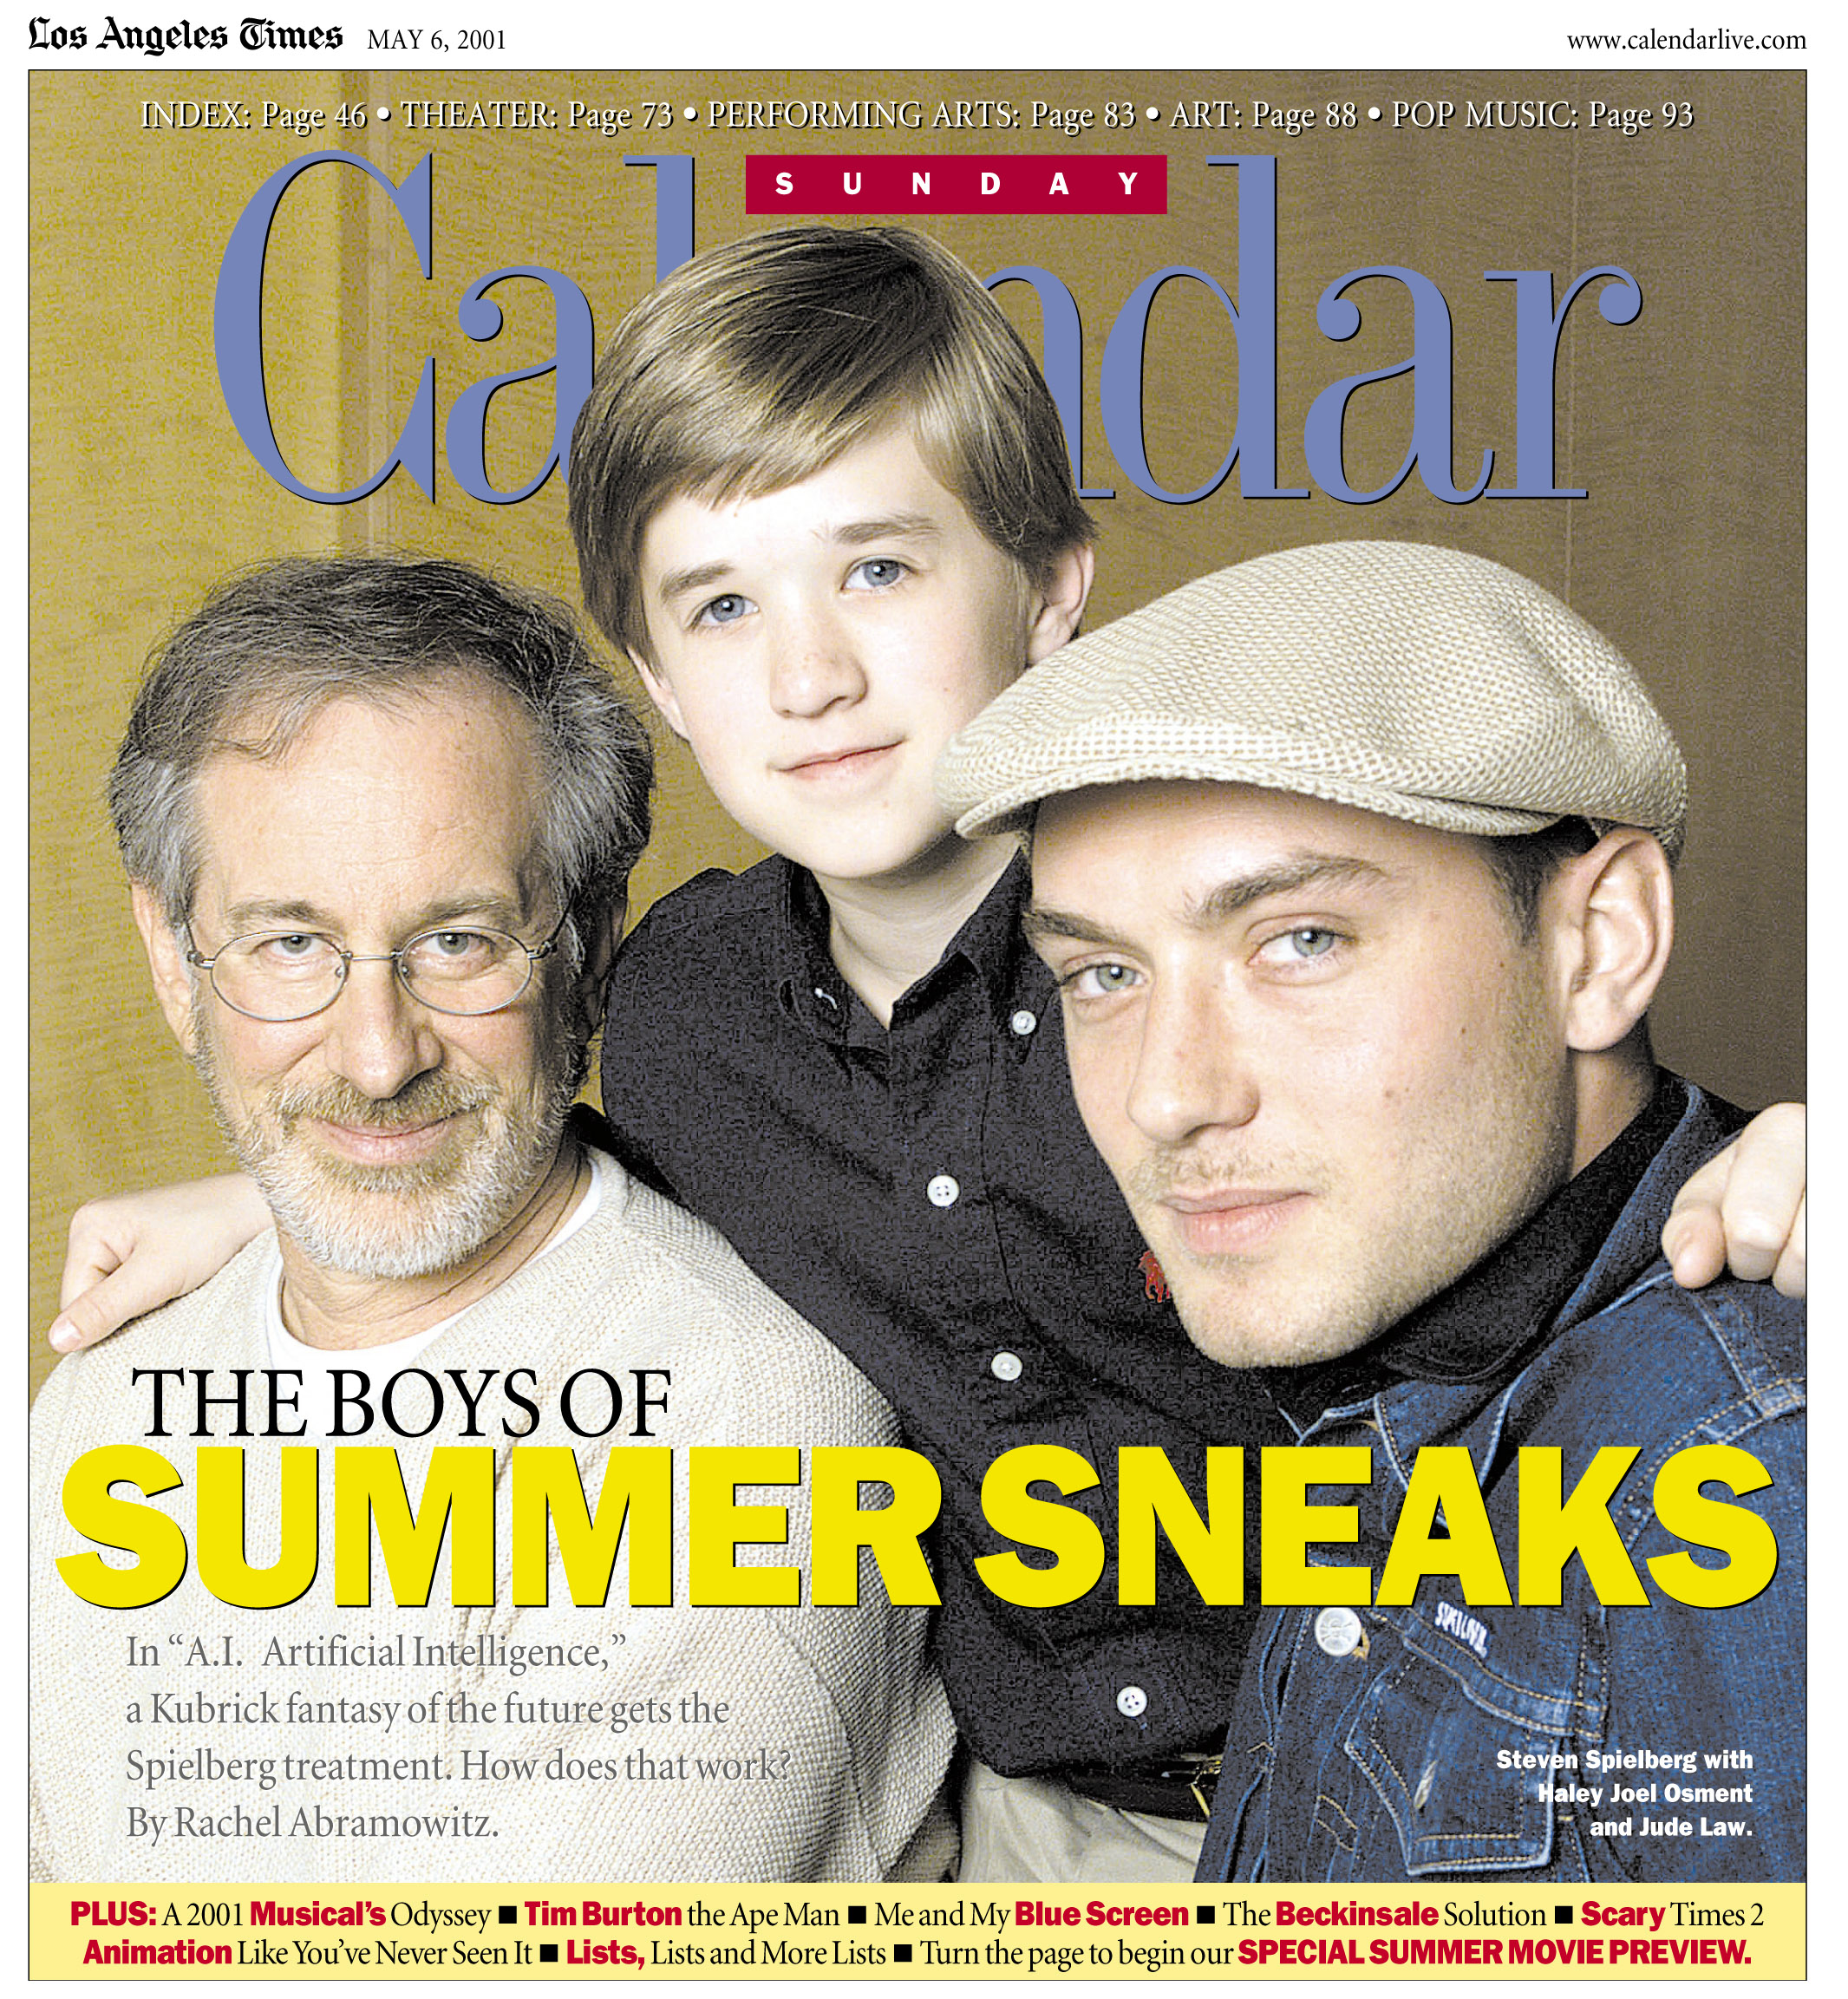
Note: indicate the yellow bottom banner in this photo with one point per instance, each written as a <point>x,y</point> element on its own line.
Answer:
<point>676,1930</point>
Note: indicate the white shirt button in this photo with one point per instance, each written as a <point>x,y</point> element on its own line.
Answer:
<point>1005,1367</point>
<point>1024,1022</point>
<point>942,1191</point>
<point>1131,1702</point>
<point>1338,1632</point>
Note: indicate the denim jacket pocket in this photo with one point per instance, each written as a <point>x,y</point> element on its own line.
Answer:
<point>1464,1753</point>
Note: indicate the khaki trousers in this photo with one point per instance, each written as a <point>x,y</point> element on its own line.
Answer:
<point>1035,1829</point>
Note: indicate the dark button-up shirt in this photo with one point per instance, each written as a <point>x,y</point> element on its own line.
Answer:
<point>926,1195</point>
<point>1589,1740</point>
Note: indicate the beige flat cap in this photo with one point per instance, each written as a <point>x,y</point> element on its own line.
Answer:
<point>1407,680</point>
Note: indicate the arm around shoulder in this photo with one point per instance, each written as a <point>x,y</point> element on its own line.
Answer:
<point>1747,1209</point>
<point>131,1253</point>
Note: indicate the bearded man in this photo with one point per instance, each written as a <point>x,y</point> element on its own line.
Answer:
<point>377,817</point>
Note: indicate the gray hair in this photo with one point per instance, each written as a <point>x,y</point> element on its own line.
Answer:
<point>266,651</point>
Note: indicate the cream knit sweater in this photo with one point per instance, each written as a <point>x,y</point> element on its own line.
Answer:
<point>837,1729</point>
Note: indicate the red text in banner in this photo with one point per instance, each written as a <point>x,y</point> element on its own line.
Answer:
<point>956,183</point>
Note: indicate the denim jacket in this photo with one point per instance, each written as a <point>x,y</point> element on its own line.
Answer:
<point>1443,1739</point>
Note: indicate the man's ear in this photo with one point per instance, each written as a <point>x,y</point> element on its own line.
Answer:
<point>601,939</point>
<point>659,690</point>
<point>1060,592</point>
<point>1611,914</point>
<point>599,936</point>
<point>167,960</point>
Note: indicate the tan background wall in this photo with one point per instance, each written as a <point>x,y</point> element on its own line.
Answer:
<point>1686,427</point>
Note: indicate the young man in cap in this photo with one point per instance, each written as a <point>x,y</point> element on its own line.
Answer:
<point>822,499</point>
<point>1352,865</point>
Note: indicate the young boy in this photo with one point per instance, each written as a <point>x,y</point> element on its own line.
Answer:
<point>821,498</point>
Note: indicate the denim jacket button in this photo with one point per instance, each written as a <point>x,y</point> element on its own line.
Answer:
<point>1337,1631</point>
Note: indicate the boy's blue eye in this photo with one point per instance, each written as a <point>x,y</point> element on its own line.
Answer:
<point>726,609</point>
<point>879,571</point>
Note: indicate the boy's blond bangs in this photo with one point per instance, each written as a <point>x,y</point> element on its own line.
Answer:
<point>759,363</point>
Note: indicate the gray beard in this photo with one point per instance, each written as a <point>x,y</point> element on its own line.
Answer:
<point>395,1221</point>
<point>413,1231</point>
